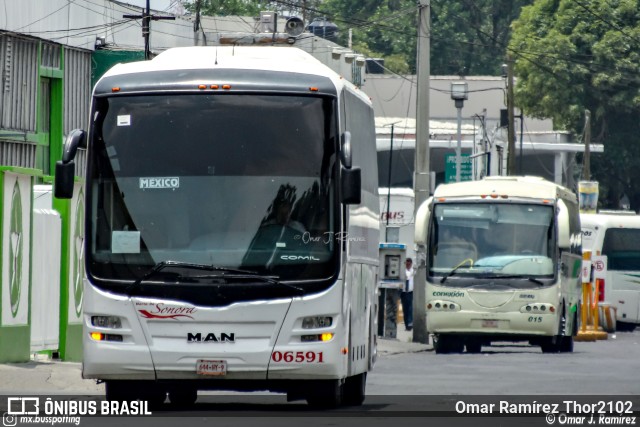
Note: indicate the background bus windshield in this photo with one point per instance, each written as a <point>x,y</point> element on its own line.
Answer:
<point>496,238</point>
<point>239,181</point>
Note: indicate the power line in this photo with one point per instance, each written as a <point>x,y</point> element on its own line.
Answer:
<point>147,17</point>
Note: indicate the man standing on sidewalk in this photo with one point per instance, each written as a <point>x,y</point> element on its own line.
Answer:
<point>406,296</point>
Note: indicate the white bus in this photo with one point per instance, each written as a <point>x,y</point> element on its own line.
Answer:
<point>232,227</point>
<point>396,217</point>
<point>503,264</point>
<point>617,237</point>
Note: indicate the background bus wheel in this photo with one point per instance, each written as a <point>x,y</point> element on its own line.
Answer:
<point>566,344</point>
<point>354,390</point>
<point>445,344</point>
<point>549,345</point>
<point>183,397</point>
<point>325,394</point>
<point>625,327</point>
<point>474,347</point>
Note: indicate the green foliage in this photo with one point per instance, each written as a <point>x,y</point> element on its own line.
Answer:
<point>467,36</point>
<point>572,55</point>
<point>470,36</point>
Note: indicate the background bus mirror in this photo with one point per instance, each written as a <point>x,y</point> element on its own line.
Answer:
<point>351,186</point>
<point>345,149</point>
<point>422,223</point>
<point>564,232</point>
<point>65,173</point>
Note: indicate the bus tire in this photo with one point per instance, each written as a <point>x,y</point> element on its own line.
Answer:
<point>445,344</point>
<point>625,326</point>
<point>135,390</point>
<point>549,345</point>
<point>325,394</point>
<point>566,344</point>
<point>474,346</point>
<point>354,390</point>
<point>183,397</point>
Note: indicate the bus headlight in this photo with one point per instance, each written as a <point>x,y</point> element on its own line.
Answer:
<point>440,305</point>
<point>110,322</point>
<point>316,322</point>
<point>540,308</point>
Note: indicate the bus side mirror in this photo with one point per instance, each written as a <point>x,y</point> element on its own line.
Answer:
<point>564,232</point>
<point>422,222</point>
<point>65,168</point>
<point>345,149</point>
<point>351,186</point>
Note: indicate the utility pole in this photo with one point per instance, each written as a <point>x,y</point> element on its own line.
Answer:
<point>586,164</point>
<point>511,144</point>
<point>421,178</point>
<point>146,26</point>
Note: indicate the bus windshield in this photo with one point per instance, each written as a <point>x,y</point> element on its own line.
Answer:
<point>492,240</point>
<point>234,181</point>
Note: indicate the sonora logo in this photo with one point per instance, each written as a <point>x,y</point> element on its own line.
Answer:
<point>15,250</point>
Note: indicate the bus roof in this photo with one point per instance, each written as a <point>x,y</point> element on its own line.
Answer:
<point>532,187</point>
<point>610,220</point>
<point>275,59</point>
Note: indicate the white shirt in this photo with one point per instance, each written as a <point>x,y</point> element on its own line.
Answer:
<point>409,273</point>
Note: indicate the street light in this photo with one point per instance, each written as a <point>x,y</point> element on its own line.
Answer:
<point>459,92</point>
<point>389,181</point>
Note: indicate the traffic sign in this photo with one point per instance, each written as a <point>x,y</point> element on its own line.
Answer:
<point>450,168</point>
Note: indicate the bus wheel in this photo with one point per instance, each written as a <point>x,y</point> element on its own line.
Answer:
<point>136,390</point>
<point>566,344</point>
<point>474,346</point>
<point>445,344</point>
<point>549,345</point>
<point>625,326</point>
<point>325,394</point>
<point>183,397</point>
<point>354,390</point>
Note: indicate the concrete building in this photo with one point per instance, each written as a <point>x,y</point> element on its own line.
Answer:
<point>540,150</point>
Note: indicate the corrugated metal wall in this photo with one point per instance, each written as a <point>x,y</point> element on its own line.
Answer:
<point>77,97</point>
<point>19,154</point>
<point>77,89</point>
<point>19,65</point>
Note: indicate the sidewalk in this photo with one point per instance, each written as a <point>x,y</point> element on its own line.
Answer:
<point>403,343</point>
<point>42,375</point>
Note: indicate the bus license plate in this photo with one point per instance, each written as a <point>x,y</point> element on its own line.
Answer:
<point>489,323</point>
<point>211,367</point>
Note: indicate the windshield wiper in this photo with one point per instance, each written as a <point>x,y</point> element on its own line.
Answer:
<point>224,273</point>
<point>452,272</point>
<point>514,276</point>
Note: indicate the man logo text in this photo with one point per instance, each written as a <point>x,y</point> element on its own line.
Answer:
<point>211,337</point>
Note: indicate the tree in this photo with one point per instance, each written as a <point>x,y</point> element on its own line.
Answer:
<point>470,36</point>
<point>573,55</point>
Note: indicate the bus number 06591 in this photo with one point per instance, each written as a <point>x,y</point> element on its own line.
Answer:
<point>297,357</point>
